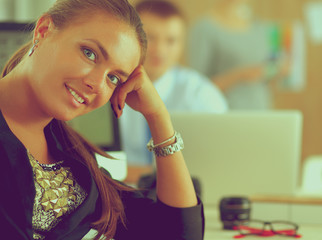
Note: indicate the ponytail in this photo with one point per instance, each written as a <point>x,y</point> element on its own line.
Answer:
<point>112,206</point>
<point>16,59</point>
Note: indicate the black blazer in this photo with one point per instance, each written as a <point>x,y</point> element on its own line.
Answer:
<point>145,218</point>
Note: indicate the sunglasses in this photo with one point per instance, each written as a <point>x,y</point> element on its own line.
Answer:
<point>266,229</point>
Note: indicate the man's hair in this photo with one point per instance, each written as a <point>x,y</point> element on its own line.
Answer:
<point>161,8</point>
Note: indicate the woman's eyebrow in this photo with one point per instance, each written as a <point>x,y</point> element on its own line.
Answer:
<point>105,55</point>
<point>100,47</point>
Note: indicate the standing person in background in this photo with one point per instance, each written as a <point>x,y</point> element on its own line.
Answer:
<point>83,54</point>
<point>180,88</point>
<point>234,50</point>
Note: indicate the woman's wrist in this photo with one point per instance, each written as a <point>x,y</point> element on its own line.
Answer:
<point>167,147</point>
<point>160,125</point>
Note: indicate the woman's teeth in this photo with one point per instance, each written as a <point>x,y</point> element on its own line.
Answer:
<point>76,96</point>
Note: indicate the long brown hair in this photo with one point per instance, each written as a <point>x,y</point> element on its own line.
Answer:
<point>64,12</point>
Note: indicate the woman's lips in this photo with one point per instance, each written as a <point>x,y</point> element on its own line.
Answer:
<point>77,97</point>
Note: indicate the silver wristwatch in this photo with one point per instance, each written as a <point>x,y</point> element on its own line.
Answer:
<point>167,150</point>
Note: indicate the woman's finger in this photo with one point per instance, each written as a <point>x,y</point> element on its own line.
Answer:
<point>114,103</point>
<point>134,83</point>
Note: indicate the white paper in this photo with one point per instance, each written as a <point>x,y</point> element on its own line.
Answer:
<point>313,15</point>
<point>117,168</point>
<point>296,80</point>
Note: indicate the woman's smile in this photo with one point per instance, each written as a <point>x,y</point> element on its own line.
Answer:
<point>76,96</point>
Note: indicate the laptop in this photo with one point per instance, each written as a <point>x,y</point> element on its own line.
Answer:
<point>242,153</point>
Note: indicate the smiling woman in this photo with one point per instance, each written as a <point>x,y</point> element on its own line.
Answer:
<point>85,53</point>
<point>81,64</point>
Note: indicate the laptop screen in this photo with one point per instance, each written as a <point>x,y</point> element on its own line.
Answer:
<point>242,153</point>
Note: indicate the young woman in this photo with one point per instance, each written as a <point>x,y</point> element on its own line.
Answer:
<point>83,54</point>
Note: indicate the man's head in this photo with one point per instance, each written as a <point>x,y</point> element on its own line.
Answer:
<point>165,26</point>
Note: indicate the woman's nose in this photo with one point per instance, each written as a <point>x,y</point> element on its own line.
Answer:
<point>95,81</point>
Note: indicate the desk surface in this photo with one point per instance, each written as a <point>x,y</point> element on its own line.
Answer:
<point>214,229</point>
<point>296,199</point>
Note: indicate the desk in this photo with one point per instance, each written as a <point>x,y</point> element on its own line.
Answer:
<point>214,229</point>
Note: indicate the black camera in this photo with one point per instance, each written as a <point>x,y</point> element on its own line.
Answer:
<point>234,209</point>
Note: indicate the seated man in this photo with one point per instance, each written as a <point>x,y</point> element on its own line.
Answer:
<point>180,88</point>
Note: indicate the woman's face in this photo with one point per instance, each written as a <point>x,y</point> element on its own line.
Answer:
<point>76,69</point>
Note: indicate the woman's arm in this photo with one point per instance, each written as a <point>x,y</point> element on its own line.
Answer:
<point>174,184</point>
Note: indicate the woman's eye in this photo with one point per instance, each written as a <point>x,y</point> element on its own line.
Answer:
<point>113,79</point>
<point>89,54</point>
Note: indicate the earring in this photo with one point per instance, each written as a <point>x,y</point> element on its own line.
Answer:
<point>33,48</point>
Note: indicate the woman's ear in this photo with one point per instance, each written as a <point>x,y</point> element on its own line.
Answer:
<point>44,27</point>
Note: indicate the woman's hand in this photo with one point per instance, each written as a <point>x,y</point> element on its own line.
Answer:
<point>139,93</point>
<point>172,173</point>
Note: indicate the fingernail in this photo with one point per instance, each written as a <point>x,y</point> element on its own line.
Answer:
<point>114,112</point>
